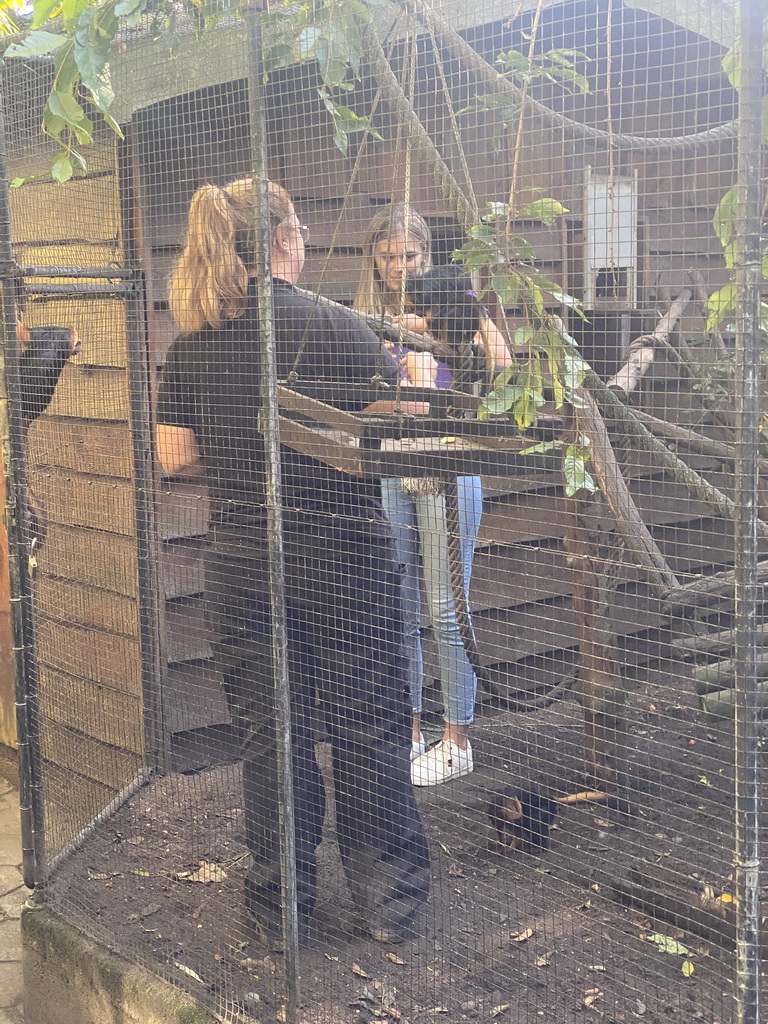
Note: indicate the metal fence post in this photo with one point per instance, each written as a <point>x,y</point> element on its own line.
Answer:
<point>11,435</point>
<point>269,417</point>
<point>748,352</point>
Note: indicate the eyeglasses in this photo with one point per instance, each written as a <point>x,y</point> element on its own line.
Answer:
<point>303,231</point>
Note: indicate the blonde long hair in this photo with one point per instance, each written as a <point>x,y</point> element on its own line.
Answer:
<point>209,284</point>
<point>396,219</point>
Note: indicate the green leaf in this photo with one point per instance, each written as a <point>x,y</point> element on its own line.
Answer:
<point>113,125</point>
<point>724,219</point>
<point>504,376</point>
<point>71,11</point>
<point>572,76</point>
<point>125,8</point>
<point>542,449</point>
<point>43,10</point>
<point>546,210</point>
<point>731,65</point>
<point>507,287</point>
<point>524,335</point>
<point>577,478</point>
<point>524,409</point>
<point>61,169</point>
<point>78,162</point>
<point>36,44</point>
<point>53,124</point>
<point>92,54</point>
<point>64,105</point>
<point>501,400</point>
<point>719,304</point>
<point>668,945</point>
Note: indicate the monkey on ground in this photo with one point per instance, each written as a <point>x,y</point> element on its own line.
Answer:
<point>45,351</point>
<point>525,817</point>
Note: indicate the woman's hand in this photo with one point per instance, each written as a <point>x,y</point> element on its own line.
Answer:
<point>420,369</point>
<point>411,322</point>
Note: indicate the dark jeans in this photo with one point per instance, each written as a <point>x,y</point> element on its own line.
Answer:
<point>347,663</point>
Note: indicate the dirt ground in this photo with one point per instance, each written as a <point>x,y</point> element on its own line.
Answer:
<point>514,937</point>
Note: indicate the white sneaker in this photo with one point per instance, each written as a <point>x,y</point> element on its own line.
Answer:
<point>418,746</point>
<point>441,763</point>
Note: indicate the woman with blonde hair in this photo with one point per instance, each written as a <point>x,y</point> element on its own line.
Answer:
<point>397,250</point>
<point>343,597</point>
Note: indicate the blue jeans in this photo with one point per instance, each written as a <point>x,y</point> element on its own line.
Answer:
<point>420,530</point>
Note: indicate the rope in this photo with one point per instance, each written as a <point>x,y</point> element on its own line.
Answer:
<point>573,130</point>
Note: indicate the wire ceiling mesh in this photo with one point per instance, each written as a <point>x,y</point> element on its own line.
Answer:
<point>387,492</point>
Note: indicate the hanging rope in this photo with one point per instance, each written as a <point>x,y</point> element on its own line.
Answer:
<point>572,130</point>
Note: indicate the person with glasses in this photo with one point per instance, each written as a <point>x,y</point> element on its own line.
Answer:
<point>396,250</point>
<point>342,578</point>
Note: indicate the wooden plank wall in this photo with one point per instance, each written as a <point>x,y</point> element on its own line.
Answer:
<point>522,586</point>
<point>80,477</point>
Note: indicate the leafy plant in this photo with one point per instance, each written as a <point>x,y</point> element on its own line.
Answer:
<point>80,35</point>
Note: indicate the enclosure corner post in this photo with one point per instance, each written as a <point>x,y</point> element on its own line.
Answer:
<point>269,424</point>
<point>15,514</point>
<point>748,351</point>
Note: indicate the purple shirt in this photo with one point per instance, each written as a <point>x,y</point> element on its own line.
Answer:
<point>443,377</point>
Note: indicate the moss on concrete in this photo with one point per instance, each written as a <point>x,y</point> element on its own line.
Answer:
<point>68,977</point>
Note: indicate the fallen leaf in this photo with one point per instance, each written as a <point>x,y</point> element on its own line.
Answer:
<point>455,870</point>
<point>445,849</point>
<point>500,1009</point>
<point>206,873</point>
<point>687,968</point>
<point>329,957</point>
<point>727,898</point>
<point>188,971</point>
<point>151,908</point>
<point>141,874</point>
<point>358,970</point>
<point>591,996</point>
<point>521,936</point>
<point>438,1009</point>
<point>393,959</point>
<point>595,967</point>
<point>705,781</point>
<point>541,961</point>
<point>668,945</point>
<point>447,440</point>
<point>99,876</point>
<point>640,1007</point>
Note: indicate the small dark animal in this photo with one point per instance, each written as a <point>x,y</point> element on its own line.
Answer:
<point>525,817</point>
<point>522,818</point>
<point>45,352</point>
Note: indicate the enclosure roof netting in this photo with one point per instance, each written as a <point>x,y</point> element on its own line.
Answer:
<point>144,74</point>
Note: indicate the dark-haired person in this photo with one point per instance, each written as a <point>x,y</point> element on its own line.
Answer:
<point>342,578</point>
<point>397,259</point>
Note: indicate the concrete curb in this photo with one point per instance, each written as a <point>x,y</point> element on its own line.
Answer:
<point>68,977</point>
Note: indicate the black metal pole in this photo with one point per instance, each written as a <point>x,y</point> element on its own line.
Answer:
<point>144,482</point>
<point>13,449</point>
<point>270,427</point>
<point>748,352</point>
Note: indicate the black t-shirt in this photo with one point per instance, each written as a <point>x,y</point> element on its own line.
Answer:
<point>211,384</point>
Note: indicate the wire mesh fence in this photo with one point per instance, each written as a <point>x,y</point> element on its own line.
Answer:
<point>387,505</point>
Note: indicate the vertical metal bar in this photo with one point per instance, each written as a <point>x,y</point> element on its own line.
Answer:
<point>11,429</point>
<point>142,443</point>
<point>269,421</point>
<point>748,351</point>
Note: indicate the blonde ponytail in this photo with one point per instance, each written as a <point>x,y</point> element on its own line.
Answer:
<point>210,281</point>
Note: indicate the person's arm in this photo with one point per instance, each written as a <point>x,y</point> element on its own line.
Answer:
<point>421,370</point>
<point>176,448</point>
<point>175,439</point>
<point>492,340</point>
